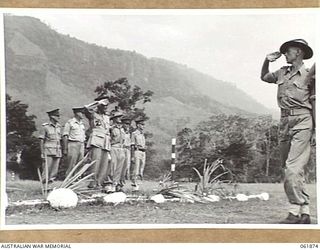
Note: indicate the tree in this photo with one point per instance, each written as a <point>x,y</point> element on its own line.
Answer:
<point>129,99</point>
<point>20,129</point>
<point>20,126</point>
<point>249,146</point>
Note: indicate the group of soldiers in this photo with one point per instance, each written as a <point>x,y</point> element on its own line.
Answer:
<point>111,143</point>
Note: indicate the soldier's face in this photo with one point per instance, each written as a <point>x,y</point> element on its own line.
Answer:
<point>292,54</point>
<point>79,115</point>
<point>140,125</point>
<point>55,118</point>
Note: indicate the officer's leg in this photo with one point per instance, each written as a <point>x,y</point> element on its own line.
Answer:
<point>95,153</point>
<point>72,156</point>
<point>80,152</point>
<point>124,171</point>
<point>298,158</point>
<point>128,164</point>
<point>142,163</point>
<point>136,166</point>
<point>46,168</point>
<point>121,171</point>
<point>114,161</point>
<point>54,168</point>
<point>118,165</point>
<point>104,163</point>
<point>284,140</point>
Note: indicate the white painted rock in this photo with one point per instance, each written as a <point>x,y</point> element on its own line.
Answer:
<point>158,198</point>
<point>213,197</point>
<point>241,197</point>
<point>62,198</point>
<point>116,197</point>
<point>264,196</point>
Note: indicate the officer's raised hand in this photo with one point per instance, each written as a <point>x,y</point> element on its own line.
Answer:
<point>273,56</point>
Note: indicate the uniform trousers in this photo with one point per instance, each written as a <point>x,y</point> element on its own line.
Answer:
<point>126,165</point>
<point>52,165</point>
<point>295,135</point>
<point>75,154</point>
<point>139,164</point>
<point>100,167</point>
<point>117,161</point>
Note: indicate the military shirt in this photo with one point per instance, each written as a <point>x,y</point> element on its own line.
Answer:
<point>127,138</point>
<point>138,139</point>
<point>75,130</point>
<point>293,91</point>
<point>51,135</point>
<point>100,136</point>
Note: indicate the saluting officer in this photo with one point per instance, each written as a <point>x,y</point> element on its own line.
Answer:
<point>74,138</point>
<point>296,123</point>
<point>99,140</point>
<point>50,146</point>
<point>138,143</point>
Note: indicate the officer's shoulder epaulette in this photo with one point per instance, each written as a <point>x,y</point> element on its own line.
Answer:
<point>45,124</point>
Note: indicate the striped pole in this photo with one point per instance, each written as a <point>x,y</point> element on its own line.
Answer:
<point>173,157</point>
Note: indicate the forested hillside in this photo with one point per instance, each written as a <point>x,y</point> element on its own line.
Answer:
<point>45,70</point>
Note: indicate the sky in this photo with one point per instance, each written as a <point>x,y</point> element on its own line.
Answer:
<point>228,45</point>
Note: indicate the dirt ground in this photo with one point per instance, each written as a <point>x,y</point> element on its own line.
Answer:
<point>223,212</point>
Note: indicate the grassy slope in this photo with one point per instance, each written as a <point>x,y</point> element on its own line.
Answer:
<point>230,212</point>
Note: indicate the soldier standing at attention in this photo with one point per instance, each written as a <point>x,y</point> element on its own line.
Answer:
<point>74,138</point>
<point>99,140</point>
<point>125,175</point>
<point>296,123</point>
<point>50,146</point>
<point>138,144</point>
<point>117,151</point>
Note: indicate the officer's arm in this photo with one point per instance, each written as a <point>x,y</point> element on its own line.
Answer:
<point>42,136</point>
<point>66,132</point>
<point>65,144</point>
<point>42,148</point>
<point>267,76</point>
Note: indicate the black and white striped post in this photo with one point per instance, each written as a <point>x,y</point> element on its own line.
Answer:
<point>173,157</point>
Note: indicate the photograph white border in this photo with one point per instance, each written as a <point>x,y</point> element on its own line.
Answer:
<point>30,11</point>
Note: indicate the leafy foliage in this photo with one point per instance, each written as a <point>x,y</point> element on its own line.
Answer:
<point>20,126</point>
<point>249,146</point>
<point>20,129</point>
<point>126,97</point>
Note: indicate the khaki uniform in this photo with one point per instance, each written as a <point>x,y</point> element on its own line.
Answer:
<point>51,135</point>
<point>117,153</point>
<point>99,144</point>
<point>295,129</point>
<point>139,143</point>
<point>75,131</point>
<point>127,155</point>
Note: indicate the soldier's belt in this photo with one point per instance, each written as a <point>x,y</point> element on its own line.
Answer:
<point>289,112</point>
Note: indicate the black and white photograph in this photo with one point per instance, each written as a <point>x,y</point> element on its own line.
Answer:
<point>159,118</point>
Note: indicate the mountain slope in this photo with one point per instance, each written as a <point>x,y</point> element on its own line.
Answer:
<point>46,70</point>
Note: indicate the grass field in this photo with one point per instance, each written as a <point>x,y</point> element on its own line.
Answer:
<point>223,212</point>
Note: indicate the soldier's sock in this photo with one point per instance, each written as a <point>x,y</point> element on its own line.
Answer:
<point>294,209</point>
<point>304,209</point>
